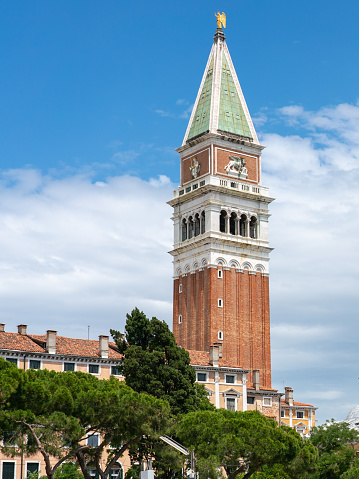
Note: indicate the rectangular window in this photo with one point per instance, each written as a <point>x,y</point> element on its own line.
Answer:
<point>69,366</point>
<point>32,467</point>
<point>267,401</point>
<point>34,364</point>
<point>220,303</point>
<point>93,440</point>
<point>230,379</point>
<point>94,368</point>
<point>220,274</point>
<point>8,470</point>
<point>230,404</point>
<point>180,288</point>
<point>115,370</point>
<point>180,319</point>
<point>12,360</point>
<point>201,377</point>
<point>250,399</point>
<point>282,413</point>
<point>300,414</point>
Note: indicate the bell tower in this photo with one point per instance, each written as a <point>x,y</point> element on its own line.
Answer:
<point>221,249</point>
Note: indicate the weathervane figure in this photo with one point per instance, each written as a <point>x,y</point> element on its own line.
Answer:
<point>221,19</point>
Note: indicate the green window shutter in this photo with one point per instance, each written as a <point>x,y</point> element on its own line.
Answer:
<point>8,470</point>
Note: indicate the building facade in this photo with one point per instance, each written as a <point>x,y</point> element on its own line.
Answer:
<point>58,353</point>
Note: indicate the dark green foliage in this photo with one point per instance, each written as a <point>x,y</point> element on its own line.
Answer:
<point>336,454</point>
<point>55,410</point>
<point>153,363</point>
<point>243,443</point>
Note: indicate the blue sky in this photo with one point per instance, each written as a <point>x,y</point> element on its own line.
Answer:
<point>95,97</point>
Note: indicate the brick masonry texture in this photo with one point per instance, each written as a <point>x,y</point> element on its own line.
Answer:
<point>243,319</point>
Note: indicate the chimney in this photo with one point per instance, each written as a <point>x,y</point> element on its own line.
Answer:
<point>256,379</point>
<point>220,348</point>
<point>2,327</point>
<point>51,341</point>
<point>103,344</point>
<point>21,329</point>
<point>289,396</point>
<point>214,355</point>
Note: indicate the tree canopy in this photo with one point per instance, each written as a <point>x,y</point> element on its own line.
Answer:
<point>59,411</point>
<point>153,363</point>
<point>243,443</point>
<point>337,459</point>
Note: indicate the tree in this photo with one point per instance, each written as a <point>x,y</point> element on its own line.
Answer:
<point>334,441</point>
<point>243,443</point>
<point>58,411</point>
<point>153,363</point>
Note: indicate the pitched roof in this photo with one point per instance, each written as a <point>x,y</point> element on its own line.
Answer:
<point>220,105</point>
<point>261,389</point>
<point>295,403</point>
<point>64,346</point>
<point>19,342</point>
<point>201,358</point>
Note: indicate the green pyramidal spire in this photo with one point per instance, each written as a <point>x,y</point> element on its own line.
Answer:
<point>220,106</point>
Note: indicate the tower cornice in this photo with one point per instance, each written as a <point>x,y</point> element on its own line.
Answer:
<point>211,188</point>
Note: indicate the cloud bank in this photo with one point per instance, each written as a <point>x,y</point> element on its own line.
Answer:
<point>75,253</point>
<point>314,175</point>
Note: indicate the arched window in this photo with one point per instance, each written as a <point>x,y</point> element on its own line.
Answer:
<point>223,221</point>
<point>197,225</point>
<point>190,227</point>
<point>184,230</point>
<point>203,222</point>
<point>233,224</point>
<point>116,472</point>
<point>253,227</point>
<point>243,225</point>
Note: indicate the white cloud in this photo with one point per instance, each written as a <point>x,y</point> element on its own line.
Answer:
<point>73,253</point>
<point>314,175</point>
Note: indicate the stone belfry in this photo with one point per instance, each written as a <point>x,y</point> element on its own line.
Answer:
<point>221,250</point>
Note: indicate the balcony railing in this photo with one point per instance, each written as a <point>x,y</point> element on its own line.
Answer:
<point>229,183</point>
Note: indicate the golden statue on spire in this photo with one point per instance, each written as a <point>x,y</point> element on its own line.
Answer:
<point>221,19</point>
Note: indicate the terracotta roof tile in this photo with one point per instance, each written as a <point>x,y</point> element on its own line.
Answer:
<point>251,389</point>
<point>18,342</point>
<point>201,358</point>
<point>79,347</point>
<point>36,343</point>
<point>295,403</point>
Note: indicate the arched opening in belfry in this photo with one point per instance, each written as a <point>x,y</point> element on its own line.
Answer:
<point>243,225</point>
<point>222,221</point>
<point>190,227</point>
<point>203,222</point>
<point>197,225</point>
<point>184,230</point>
<point>253,227</point>
<point>233,224</point>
